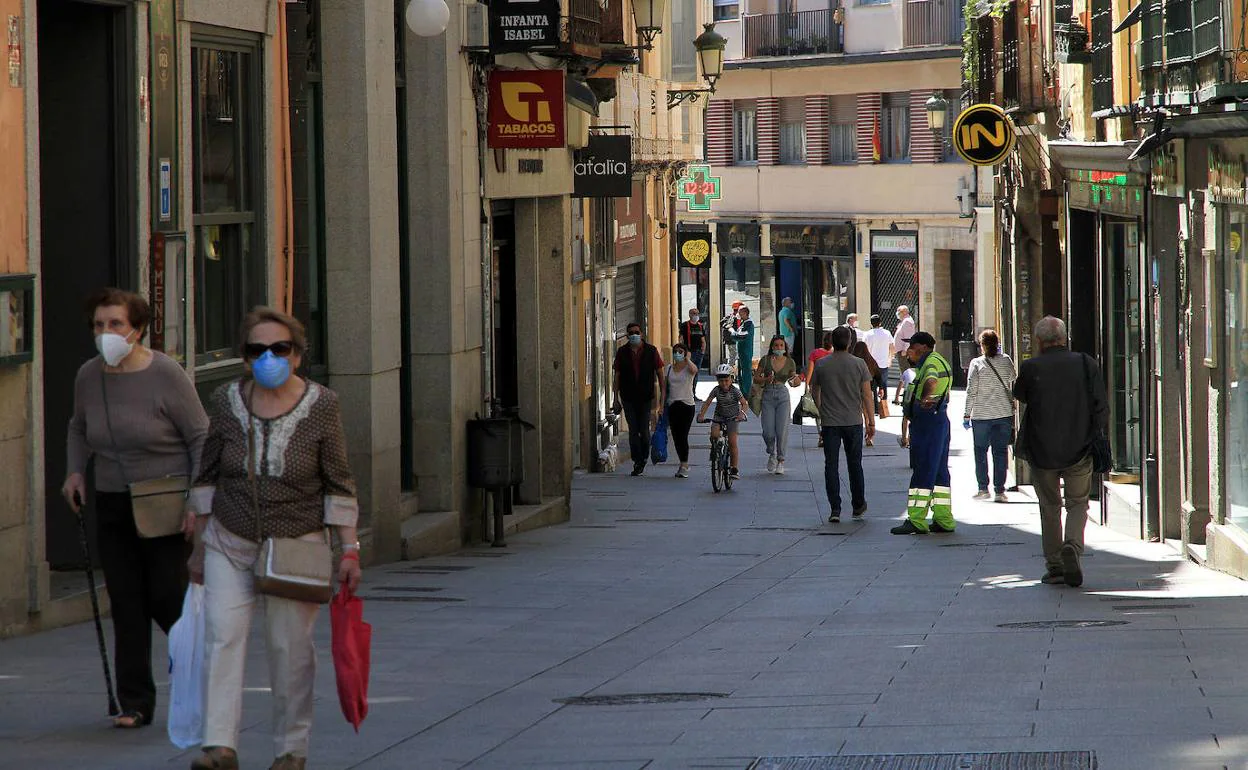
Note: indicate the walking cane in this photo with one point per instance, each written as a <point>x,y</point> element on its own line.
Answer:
<point>113,709</point>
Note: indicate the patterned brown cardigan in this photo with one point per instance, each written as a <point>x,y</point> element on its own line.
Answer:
<point>303,478</point>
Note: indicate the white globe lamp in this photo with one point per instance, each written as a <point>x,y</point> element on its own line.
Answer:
<point>427,18</point>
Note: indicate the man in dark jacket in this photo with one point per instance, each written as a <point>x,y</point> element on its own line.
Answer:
<point>1066,409</point>
<point>638,366</point>
<point>693,334</point>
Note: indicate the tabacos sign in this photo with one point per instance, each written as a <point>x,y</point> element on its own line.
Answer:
<point>526,109</point>
<point>604,169</point>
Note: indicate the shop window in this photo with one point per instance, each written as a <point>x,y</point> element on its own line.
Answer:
<point>1236,356</point>
<point>745,132</point>
<point>793,131</point>
<point>229,262</point>
<point>895,127</point>
<point>843,129</point>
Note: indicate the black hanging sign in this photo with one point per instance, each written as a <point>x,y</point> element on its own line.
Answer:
<point>694,249</point>
<point>523,25</point>
<point>604,169</point>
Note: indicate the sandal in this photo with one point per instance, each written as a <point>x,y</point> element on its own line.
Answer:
<point>131,720</point>
<point>216,758</point>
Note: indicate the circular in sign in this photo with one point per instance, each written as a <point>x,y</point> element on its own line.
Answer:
<point>695,252</point>
<point>983,135</point>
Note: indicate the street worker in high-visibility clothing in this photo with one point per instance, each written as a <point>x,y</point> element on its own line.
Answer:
<point>926,405</point>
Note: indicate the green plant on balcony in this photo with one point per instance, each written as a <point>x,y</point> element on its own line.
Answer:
<point>973,12</point>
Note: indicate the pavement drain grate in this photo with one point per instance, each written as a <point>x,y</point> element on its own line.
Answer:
<point>424,599</point>
<point>1042,624</point>
<point>1151,606</point>
<point>480,555</point>
<point>441,569</point>
<point>832,534</point>
<point>714,553</point>
<point>639,698</point>
<point>776,529</point>
<point>591,526</point>
<point>1003,760</point>
<point>980,545</point>
<point>407,589</point>
<point>644,521</point>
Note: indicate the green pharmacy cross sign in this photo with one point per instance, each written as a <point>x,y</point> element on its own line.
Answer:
<point>698,188</point>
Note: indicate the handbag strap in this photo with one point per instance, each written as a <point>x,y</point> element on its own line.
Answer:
<point>988,363</point>
<point>253,462</point>
<point>112,440</point>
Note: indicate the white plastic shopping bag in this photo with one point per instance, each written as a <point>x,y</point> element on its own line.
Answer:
<point>187,669</point>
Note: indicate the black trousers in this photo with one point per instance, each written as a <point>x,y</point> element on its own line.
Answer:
<point>679,418</point>
<point>638,415</point>
<point>146,581</point>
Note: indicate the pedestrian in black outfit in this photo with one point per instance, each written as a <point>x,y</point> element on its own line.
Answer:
<point>692,334</point>
<point>1066,411</point>
<point>137,415</point>
<point>638,366</point>
<point>680,376</point>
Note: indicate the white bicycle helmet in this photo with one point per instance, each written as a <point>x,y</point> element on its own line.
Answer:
<point>724,370</point>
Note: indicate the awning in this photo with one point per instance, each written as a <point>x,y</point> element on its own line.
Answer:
<point>1103,156</point>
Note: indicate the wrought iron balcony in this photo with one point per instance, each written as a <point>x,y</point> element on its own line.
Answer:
<point>1070,43</point>
<point>932,22</point>
<point>800,33</point>
<point>582,28</point>
<point>1185,55</point>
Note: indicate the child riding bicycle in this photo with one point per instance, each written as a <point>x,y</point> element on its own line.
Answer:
<point>729,410</point>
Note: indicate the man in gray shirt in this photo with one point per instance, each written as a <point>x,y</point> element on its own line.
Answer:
<point>842,388</point>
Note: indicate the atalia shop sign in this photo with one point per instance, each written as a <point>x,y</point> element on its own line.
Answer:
<point>526,109</point>
<point>523,25</point>
<point>604,169</point>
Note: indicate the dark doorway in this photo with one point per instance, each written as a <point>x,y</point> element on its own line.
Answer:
<point>87,193</point>
<point>1083,327</point>
<point>962,312</point>
<point>894,282</point>
<point>506,372</point>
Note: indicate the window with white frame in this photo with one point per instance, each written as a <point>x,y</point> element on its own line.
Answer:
<point>745,131</point>
<point>793,130</point>
<point>895,127</point>
<point>843,129</point>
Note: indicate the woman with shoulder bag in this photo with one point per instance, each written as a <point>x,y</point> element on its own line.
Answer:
<point>990,413</point>
<point>682,375</point>
<point>137,415</point>
<point>274,478</point>
<point>775,374</point>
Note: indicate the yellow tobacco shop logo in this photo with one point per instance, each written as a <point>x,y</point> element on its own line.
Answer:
<point>519,108</point>
<point>526,109</point>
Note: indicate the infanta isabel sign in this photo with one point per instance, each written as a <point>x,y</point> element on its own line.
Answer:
<point>523,25</point>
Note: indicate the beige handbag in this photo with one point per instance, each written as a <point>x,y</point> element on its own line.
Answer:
<point>159,505</point>
<point>288,567</point>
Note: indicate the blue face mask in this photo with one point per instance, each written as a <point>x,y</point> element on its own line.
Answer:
<point>270,371</point>
<point>634,339</point>
<point>678,356</point>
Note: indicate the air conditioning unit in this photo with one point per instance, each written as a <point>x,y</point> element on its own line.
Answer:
<point>476,26</point>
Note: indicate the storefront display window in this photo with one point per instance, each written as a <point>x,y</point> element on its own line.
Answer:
<point>745,278</point>
<point>1236,352</point>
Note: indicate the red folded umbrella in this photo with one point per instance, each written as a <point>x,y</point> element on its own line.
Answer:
<point>351,640</point>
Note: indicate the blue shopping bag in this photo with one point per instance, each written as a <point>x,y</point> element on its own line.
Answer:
<point>658,440</point>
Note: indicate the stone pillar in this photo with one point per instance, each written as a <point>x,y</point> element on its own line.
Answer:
<point>555,325</point>
<point>361,228</point>
<point>532,268</point>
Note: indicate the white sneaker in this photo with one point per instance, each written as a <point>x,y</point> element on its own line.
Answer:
<point>780,468</point>
<point>981,495</point>
<point>771,463</point>
<point>1000,498</point>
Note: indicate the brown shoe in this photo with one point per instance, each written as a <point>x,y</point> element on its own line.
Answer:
<point>289,762</point>
<point>216,758</point>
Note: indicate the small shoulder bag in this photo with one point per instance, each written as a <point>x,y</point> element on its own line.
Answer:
<point>1102,453</point>
<point>288,567</point>
<point>158,505</point>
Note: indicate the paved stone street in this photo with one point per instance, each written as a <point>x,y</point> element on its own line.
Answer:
<point>805,639</point>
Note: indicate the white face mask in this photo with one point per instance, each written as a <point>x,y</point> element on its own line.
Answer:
<point>113,347</point>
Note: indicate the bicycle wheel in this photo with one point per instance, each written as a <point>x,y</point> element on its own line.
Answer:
<point>715,463</point>
<point>727,474</point>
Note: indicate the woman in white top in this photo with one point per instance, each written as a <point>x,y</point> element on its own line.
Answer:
<point>990,412</point>
<point>681,376</point>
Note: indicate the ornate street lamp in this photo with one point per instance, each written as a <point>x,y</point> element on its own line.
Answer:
<point>937,114</point>
<point>648,18</point>
<point>710,47</point>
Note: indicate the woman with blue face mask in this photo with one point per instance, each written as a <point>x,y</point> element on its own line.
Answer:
<point>274,465</point>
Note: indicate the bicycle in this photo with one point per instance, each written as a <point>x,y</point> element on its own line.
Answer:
<point>721,457</point>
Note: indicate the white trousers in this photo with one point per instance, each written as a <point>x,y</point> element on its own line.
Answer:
<point>230,597</point>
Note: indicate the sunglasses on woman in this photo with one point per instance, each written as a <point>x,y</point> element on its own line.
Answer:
<point>282,349</point>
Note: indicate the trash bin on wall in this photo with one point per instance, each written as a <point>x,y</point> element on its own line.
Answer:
<point>495,453</point>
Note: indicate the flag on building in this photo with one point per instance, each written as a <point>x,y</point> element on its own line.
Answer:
<point>877,146</point>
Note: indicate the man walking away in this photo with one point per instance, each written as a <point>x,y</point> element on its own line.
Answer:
<point>1066,409</point>
<point>693,334</point>
<point>744,336</point>
<point>926,406</point>
<point>880,343</point>
<point>842,389</point>
<point>905,329</point>
<point>787,323</point>
<point>638,366</point>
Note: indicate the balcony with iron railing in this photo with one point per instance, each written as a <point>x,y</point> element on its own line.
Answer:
<point>800,33</point>
<point>932,22</point>
<point>1186,56</point>
<point>583,28</point>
